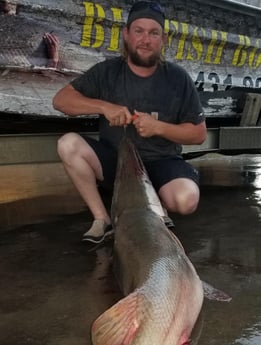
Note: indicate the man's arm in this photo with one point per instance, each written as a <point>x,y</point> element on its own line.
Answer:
<point>184,133</point>
<point>73,103</point>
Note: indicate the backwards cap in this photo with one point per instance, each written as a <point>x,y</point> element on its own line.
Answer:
<point>146,9</point>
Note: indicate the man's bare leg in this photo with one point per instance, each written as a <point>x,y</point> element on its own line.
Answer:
<point>84,169</point>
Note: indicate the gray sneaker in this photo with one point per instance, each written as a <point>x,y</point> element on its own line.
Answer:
<point>98,231</point>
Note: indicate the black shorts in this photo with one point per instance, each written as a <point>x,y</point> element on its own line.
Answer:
<point>160,171</point>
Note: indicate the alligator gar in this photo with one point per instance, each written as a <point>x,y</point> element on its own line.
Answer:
<point>163,293</point>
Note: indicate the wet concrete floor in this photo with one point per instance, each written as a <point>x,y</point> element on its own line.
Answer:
<point>52,286</point>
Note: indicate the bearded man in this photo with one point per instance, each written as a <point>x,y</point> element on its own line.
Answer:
<point>152,101</point>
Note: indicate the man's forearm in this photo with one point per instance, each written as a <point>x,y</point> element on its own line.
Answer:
<point>73,103</point>
<point>186,133</point>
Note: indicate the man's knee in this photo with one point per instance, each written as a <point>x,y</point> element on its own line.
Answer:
<point>183,200</point>
<point>188,203</point>
<point>185,203</point>
<point>67,145</point>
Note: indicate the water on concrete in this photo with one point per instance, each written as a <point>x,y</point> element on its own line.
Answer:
<point>52,286</point>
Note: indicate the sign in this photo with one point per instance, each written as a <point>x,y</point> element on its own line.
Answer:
<point>74,36</point>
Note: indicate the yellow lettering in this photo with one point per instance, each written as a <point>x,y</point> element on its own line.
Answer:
<point>171,32</point>
<point>166,27</point>
<point>182,40</point>
<point>240,55</point>
<point>254,59</point>
<point>115,30</point>
<point>196,44</point>
<point>214,50</point>
<point>185,41</point>
<point>258,61</point>
<point>93,32</point>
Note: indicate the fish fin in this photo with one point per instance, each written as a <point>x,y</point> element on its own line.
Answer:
<point>117,325</point>
<point>214,294</point>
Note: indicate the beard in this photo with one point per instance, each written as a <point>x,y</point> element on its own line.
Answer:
<point>140,61</point>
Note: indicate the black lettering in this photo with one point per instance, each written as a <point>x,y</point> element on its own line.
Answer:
<point>216,80</point>
<point>248,82</point>
<point>228,81</point>
<point>200,81</point>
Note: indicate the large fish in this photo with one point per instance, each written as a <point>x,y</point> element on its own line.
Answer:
<point>163,292</point>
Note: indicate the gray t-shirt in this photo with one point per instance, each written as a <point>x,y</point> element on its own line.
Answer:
<point>169,93</point>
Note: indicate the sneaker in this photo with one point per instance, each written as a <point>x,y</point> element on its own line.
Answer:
<point>98,231</point>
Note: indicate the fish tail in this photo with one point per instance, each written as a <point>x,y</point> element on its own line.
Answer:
<point>117,325</point>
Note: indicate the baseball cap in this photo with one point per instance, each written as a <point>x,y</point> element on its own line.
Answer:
<point>146,9</point>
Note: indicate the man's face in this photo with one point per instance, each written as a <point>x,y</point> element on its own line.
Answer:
<point>143,42</point>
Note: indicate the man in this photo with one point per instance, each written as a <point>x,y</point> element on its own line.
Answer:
<point>167,112</point>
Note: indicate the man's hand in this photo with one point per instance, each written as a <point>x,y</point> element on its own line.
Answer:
<point>117,115</point>
<point>145,124</point>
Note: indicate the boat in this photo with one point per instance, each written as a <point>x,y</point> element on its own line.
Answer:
<point>45,44</point>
